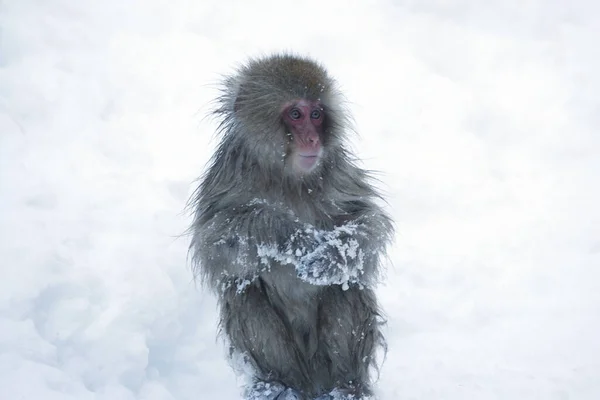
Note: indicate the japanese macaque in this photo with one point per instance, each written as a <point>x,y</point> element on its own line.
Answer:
<point>288,233</point>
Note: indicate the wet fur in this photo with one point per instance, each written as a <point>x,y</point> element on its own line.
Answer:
<point>311,338</point>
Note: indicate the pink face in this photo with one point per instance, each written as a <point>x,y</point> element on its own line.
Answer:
<point>304,119</point>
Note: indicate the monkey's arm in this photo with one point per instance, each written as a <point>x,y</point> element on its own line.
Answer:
<point>241,242</point>
<point>351,251</point>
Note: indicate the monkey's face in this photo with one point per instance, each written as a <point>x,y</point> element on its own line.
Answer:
<point>303,120</point>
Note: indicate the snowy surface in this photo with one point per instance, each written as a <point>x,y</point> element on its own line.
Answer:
<point>483,118</point>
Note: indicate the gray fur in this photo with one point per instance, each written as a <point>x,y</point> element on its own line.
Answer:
<point>292,258</point>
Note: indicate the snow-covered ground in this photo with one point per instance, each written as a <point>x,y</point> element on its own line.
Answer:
<point>482,117</point>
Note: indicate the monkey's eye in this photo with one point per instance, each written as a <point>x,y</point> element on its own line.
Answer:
<point>295,113</point>
<point>315,114</point>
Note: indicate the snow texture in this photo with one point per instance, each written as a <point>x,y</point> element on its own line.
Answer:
<point>318,267</point>
<point>264,391</point>
<point>482,118</point>
<point>337,258</point>
<point>270,391</point>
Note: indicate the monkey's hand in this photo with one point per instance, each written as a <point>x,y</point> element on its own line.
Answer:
<point>337,257</point>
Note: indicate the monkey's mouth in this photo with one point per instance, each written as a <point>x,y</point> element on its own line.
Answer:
<point>307,161</point>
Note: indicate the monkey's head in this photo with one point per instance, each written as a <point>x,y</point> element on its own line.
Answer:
<point>287,110</point>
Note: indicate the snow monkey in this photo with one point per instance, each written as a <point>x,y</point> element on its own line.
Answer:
<point>288,232</point>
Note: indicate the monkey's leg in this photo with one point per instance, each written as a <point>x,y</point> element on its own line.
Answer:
<point>260,332</point>
<point>270,391</point>
<point>344,394</point>
<point>290,394</point>
<point>263,391</point>
<point>349,337</point>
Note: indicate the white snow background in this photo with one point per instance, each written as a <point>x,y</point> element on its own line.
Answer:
<point>481,116</point>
